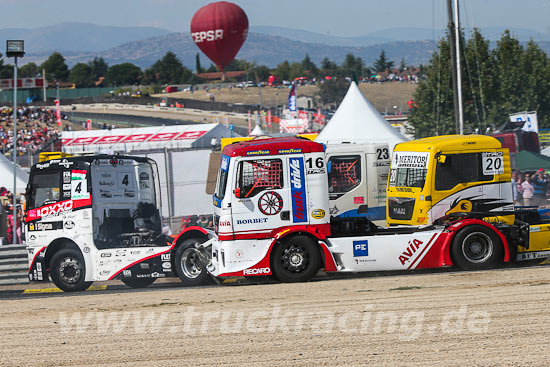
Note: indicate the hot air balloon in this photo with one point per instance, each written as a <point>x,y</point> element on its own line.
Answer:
<point>219,29</point>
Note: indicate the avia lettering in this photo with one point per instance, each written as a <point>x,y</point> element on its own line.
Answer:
<point>211,35</point>
<point>226,223</point>
<point>412,247</point>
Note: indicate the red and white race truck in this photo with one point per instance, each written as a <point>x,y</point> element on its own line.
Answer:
<point>272,218</point>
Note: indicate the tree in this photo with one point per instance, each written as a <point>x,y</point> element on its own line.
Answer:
<point>81,75</point>
<point>123,74</point>
<point>98,67</point>
<point>333,91</point>
<point>329,67</point>
<point>260,72</point>
<point>282,70</point>
<point>382,63</point>
<point>296,70</point>
<point>168,70</point>
<point>310,67</point>
<point>402,65</point>
<point>212,69</point>
<point>352,65</point>
<point>237,65</point>
<point>56,69</point>
<point>29,70</point>
<point>198,64</point>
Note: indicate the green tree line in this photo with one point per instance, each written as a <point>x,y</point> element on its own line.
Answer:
<point>496,82</point>
<point>170,70</point>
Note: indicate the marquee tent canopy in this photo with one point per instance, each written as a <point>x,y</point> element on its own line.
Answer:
<point>144,138</point>
<point>356,120</point>
<point>6,175</point>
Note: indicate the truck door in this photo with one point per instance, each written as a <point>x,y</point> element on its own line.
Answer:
<point>261,199</point>
<point>347,186</point>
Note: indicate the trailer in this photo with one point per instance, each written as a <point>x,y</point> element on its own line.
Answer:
<point>272,218</point>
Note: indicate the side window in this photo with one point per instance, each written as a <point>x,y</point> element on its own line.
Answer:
<point>45,189</point>
<point>344,174</point>
<point>459,168</point>
<point>259,175</point>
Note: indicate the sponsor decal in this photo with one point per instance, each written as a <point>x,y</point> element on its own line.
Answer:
<point>403,189</point>
<point>120,253</point>
<point>157,275</point>
<point>129,194</point>
<point>238,254</point>
<point>534,229</point>
<point>257,152</point>
<point>79,185</point>
<point>32,238</point>
<point>166,265</point>
<point>31,250</point>
<point>42,165</point>
<point>298,190</point>
<point>256,271</point>
<point>225,223</point>
<point>318,213</point>
<point>360,248</point>
<point>106,254</point>
<point>66,177</point>
<point>359,200</point>
<point>165,257</point>
<point>106,195</point>
<point>66,194</point>
<point>135,252</point>
<point>106,175</point>
<point>47,226</point>
<point>69,224</point>
<point>382,164</point>
<point>86,249</point>
<point>334,210</point>
<point>315,171</point>
<point>50,209</point>
<point>210,35</point>
<point>251,221</point>
<point>106,183</point>
<point>127,273</point>
<point>105,272</point>
<point>225,162</point>
<point>144,176</point>
<point>143,275</point>
<point>290,151</point>
<point>492,163</point>
<point>410,251</point>
<point>65,163</point>
<point>410,159</point>
<point>144,265</point>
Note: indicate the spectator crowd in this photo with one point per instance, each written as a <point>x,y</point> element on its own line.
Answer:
<point>530,188</point>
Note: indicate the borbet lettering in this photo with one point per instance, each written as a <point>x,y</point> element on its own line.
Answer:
<point>410,251</point>
<point>251,221</point>
<point>210,35</point>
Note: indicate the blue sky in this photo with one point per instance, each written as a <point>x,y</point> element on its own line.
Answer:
<point>335,17</point>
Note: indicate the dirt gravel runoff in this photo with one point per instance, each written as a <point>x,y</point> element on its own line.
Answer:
<point>483,318</point>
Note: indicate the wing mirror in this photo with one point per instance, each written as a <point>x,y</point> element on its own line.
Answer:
<point>237,192</point>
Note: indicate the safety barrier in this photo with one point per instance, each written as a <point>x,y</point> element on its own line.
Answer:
<point>13,264</point>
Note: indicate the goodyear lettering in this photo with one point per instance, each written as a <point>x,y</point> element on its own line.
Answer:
<point>258,152</point>
<point>251,221</point>
<point>290,151</point>
<point>210,35</point>
<point>410,251</point>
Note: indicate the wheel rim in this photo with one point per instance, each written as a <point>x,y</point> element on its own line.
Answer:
<point>70,270</point>
<point>191,264</point>
<point>295,258</point>
<point>477,247</point>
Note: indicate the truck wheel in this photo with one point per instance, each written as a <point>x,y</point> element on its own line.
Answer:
<point>138,282</point>
<point>476,247</point>
<point>68,271</point>
<point>188,264</point>
<point>297,259</point>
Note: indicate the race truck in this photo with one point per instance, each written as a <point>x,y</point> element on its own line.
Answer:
<point>272,218</point>
<point>96,218</point>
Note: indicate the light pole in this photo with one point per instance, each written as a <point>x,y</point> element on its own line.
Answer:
<point>15,49</point>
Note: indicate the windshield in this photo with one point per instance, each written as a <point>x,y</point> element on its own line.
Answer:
<point>409,169</point>
<point>222,178</point>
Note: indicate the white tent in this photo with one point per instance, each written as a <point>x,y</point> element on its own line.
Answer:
<point>356,120</point>
<point>257,131</point>
<point>6,175</point>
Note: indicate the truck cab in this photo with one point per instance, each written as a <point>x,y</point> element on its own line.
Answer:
<point>95,218</point>
<point>437,176</point>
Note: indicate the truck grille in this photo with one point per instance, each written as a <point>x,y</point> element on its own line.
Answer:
<point>401,208</point>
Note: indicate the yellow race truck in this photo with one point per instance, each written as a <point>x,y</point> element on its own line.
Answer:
<point>442,177</point>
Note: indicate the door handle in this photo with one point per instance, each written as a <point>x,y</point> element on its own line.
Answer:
<point>285,215</point>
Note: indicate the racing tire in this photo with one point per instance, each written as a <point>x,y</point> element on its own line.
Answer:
<point>138,282</point>
<point>477,247</point>
<point>68,271</point>
<point>188,265</point>
<point>296,259</point>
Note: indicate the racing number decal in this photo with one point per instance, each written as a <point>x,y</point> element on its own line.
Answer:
<point>79,185</point>
<point>270,203</point>
<point>125,180</point>
<point>382,153</point>
<point>319,163</point>
<point>493,163</point>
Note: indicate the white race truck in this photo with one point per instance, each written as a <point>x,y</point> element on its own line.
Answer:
<point>272,218</point>
<point>97,218</point>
